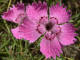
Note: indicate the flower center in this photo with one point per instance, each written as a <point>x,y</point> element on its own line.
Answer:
<point>49,26</point>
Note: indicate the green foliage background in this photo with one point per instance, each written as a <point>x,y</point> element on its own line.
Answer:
<point>13,49</point>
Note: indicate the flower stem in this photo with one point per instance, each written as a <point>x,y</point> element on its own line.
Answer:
<point>48,8</point>
<point>6,25</point>
<point>9,4</point>
<point>60,2</point>
<point>20,1</point>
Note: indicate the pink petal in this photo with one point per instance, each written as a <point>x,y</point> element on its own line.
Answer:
<point>27,30</point>
<point>36,11</point>
<point>16,33</point>
<point>67,35</point>
<point>13,13</point>
<point>60,13</point>
<point>50,48</point>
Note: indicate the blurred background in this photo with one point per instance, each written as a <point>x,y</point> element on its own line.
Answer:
<point>13,49</point>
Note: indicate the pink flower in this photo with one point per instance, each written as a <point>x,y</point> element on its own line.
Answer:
<point>57,30</point>
<point>16,13</point>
